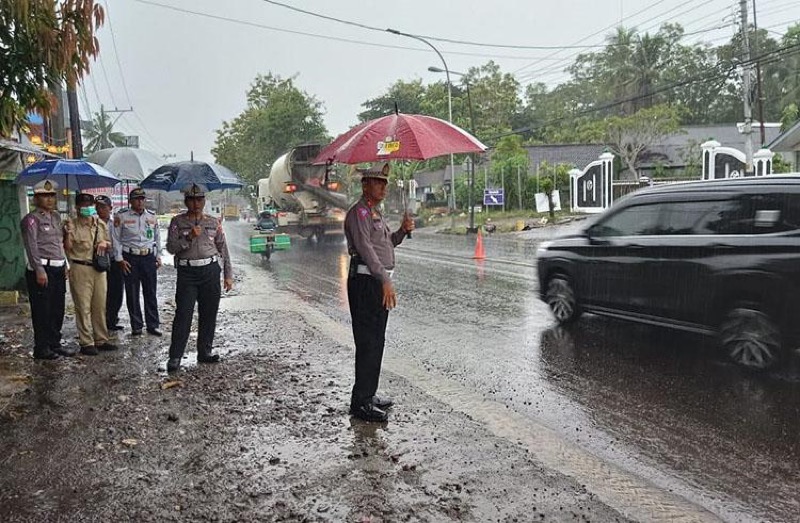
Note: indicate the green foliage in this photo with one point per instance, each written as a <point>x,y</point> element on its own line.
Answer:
<point>278,117</point>
<point>99,133</point>
<point>42,43</point>
<point>629,136</point>
<point>789,116</point>
<point>779,165</point>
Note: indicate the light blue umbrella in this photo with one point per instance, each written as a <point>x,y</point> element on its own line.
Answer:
<point>69,174</point>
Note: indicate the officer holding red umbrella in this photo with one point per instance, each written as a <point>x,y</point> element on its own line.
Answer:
<point>370,291</point>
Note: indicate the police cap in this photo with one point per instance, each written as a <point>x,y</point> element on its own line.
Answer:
<point>195,190</point>
<point>136,193</point>
<point>378,173</point>
<point>102,199</point>
<point>45,187</point>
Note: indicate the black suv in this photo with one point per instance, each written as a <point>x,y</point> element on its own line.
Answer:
<point>717,257</point>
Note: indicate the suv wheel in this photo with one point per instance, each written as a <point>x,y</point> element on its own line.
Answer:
<point>751,338</point>
<point>561,299</point>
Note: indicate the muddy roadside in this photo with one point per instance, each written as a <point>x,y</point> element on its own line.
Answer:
<point>263,436</point>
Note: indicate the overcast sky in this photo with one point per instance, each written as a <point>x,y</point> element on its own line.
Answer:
<point>184,73</point>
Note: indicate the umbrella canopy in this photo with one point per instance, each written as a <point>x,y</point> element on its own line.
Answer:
<point>175,176</point>
<point>69,174</point>
<point>127,163</point>
<point>399,136</point>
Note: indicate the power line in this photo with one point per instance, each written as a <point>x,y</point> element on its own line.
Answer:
<point>428,37</point>
<point>321,36</point>
<point>720,74</point>
<point>108,84</point>
<point>116,55</point>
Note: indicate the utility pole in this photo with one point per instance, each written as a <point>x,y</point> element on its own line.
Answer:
<point>519,188</point>
<point>746,91</point>
<point>103,112</point>
<point>58,128</point>
<point>74,122</point>
<point>758,79</point>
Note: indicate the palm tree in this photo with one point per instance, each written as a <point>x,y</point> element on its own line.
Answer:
<point>99,133</point>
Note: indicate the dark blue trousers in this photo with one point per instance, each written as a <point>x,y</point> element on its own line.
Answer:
<point>116,284</point>
<point>199,285</point>
<point>142,276</point>
<point>47,308</point>
<point>365,296</point>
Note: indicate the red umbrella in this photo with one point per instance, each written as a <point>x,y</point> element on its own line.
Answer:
<point>399,137</point>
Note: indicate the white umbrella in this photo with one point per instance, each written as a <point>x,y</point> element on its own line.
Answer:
<point>128,163</point>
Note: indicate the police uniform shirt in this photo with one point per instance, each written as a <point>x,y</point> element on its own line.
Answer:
<point>43,238</point>
<point>211,241</point>
<point>368,235</point>
<point>82,238</point>
<point>135,231</point>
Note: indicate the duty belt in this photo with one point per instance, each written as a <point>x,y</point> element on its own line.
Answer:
<point>137,252</point>
<point>196,263</point>
<point>82,262</point>
<point>363,269</point>
<point>53,263</point>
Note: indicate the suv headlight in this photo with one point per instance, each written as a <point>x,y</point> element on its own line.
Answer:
<point>542,247</point>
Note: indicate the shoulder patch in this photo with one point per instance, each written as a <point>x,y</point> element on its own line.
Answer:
<point>363,213</point>
<point>30,222</point>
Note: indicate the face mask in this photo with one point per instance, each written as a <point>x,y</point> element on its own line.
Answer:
<point>88,211</point>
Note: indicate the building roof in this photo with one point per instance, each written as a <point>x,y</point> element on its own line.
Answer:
<point>578,155</point>
<point>788,141</point>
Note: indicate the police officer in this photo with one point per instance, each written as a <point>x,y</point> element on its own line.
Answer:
<point>198,243</point>
<point>46,275</point>
<point>370,291</point>
<point>137,248</point>
<point>115,282</point>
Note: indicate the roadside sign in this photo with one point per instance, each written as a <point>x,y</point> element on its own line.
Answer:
<point>493,197</point>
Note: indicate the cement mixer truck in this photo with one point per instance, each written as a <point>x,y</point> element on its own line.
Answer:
<point>304,202</point>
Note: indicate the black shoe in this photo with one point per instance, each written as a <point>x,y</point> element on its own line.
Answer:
<point>89,350</point>
<point>136,332</point>
<point>210,358</point>
<point>107,347</point>
<point>155,332</point>
<point>369,413</point>
<point>63,351</point>
<point>173,365</point>
<point>49,355</point>
<point>116,328</point>
<point>382,403</point>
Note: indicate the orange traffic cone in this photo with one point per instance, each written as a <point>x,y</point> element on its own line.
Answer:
<point>479,253</point>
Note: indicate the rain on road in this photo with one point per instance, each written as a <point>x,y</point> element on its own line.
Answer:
<point>659,405</point>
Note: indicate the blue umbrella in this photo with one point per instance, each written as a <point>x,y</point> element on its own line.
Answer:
<point>69,174</point>
<point>175,176</point>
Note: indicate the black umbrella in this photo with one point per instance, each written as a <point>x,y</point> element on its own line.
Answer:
<point>175,176</point>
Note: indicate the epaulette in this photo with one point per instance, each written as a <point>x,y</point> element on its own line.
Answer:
<point>151,212</point>
<point>124,209</point>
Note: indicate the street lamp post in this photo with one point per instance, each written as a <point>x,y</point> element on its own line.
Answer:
<point>452,202</point>
<point>471,159</point>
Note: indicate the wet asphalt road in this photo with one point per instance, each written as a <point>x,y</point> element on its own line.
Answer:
<point>660,405</point>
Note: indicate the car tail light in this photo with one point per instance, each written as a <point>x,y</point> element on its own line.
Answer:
<point>290,188</point>
<point>333,186</point>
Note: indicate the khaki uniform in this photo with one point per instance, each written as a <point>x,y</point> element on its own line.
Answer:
<point>88,286</point>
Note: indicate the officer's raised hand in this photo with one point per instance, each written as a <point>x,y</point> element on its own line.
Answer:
<point>195,232</point>
<point>389,296</point>
<point>408,223</point>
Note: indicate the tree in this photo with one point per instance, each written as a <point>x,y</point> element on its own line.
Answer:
<point>407,97</point>
<point>42,43</point>
<point>278,117</point>
<point>100,134</point>
<point>630,136</point>
<point>509,159</point>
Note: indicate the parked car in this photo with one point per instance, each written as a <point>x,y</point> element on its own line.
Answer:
<point>715,257</point>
